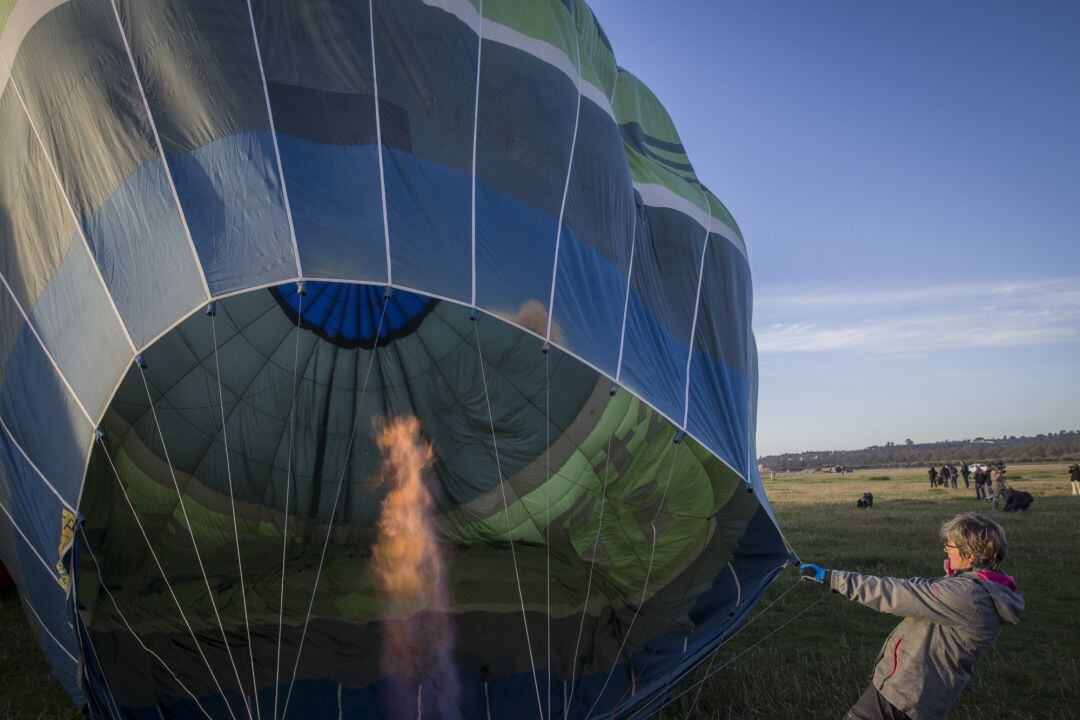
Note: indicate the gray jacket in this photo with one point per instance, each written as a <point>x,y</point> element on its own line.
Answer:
<point>949,624</point>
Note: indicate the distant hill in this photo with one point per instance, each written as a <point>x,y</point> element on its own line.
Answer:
<point>1053,447</point>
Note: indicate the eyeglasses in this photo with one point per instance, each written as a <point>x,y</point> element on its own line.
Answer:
<point>950,545</point>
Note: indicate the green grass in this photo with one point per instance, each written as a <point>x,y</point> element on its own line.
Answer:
<point>28,690</point>
<point>817,666</point>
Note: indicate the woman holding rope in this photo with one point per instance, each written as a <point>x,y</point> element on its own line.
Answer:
<point>949,622</point>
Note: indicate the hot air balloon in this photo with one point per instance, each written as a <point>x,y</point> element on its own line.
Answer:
<point>263,259</point>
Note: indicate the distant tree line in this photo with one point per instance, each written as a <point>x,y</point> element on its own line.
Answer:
<point>1052,447</point>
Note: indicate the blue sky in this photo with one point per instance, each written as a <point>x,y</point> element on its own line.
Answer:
<point>907,177</point>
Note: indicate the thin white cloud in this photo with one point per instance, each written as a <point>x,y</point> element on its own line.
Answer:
<point>921,318</point>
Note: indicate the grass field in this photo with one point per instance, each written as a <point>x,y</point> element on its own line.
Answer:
<point>816,666</point>
<point>28,690</point>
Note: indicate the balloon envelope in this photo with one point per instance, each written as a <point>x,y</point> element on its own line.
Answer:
<point>238,238</point>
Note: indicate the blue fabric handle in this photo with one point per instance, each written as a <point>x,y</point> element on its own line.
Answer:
<point>818,574</point>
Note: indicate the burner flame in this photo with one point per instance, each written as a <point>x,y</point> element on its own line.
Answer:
<point>418,647</point>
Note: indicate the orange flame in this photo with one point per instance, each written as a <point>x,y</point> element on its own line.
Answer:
<point>409,566</point>
<point>406,552</point>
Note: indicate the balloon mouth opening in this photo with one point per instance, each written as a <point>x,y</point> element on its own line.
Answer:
<point>326,490</point>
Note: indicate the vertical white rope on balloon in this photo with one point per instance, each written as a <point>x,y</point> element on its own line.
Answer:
<point>191,534</point>
<point>232,508</point>
<point>697,306</point>
<point>379,144</point>
<point>633,245</point>
<point>165,579</point>
<point>506,511</point>
<point>626,298</point>
<point>161,150</point>
<point>475,130</point>
<point>333,509</point>
<point>288,491</point>
<point>273,137</point>
<point>547,518</point>
<point>566,189</point>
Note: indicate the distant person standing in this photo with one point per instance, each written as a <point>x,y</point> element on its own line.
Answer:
<point>1074,477</point>
<point>952,476</point>
<point>980,482</point>
<point>932,472</point>
<point>966,472</point>
<point>998,480</point>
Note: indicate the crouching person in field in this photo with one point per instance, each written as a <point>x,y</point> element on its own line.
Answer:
<point>949,622</point>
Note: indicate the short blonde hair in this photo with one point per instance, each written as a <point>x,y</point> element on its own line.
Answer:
<point>978,536</point>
